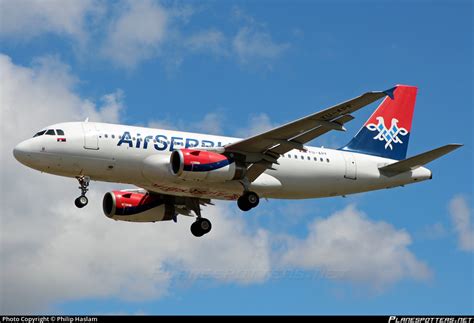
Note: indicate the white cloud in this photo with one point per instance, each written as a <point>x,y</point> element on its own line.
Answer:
<point>46,91</point>
<point>434,231</point>
<point>211,123</point>
<point>130,32</point>
<point>137,33</point>
<point>215,122</point>
<point>52,252</point>
<point>251,44</point>
<point>257,124</point>
<point>162,124</point>
<point>29,18</point>
<point>349,246</point>
<point>213,41</point>
<point>109,111</point>
<point>461,217</point>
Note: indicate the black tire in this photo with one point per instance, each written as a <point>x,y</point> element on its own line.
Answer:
<point>196,230</point>
<point>201,227</point>
<point>204,225</point>
<point>243,204</point>
<point>81,201</point>
<point>252,199</point>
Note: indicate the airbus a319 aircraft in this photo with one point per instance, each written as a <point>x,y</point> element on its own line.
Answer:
<point>178,172</point>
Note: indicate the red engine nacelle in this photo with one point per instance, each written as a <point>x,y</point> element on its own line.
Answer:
<point>205,165</point>
<point>136,207</point>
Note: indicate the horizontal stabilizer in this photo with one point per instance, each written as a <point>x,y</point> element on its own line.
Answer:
<point>418,160</point>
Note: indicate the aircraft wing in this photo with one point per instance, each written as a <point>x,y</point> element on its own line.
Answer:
<point>264,149</point>
<point>183,204</point>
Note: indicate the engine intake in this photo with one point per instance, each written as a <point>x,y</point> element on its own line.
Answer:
<point>205,165</point>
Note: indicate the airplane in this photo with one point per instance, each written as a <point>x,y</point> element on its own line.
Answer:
<point>179,172</point>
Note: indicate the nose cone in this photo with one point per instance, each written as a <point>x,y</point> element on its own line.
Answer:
<point>22,152</point>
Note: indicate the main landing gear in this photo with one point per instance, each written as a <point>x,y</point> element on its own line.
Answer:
<point>82,200</point>
<point>202,225</point>
<point>248,201</point>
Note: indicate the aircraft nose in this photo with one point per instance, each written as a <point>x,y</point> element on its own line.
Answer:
<point>22,152</point>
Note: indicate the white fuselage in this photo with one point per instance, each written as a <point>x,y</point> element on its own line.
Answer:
<point>105,152</point>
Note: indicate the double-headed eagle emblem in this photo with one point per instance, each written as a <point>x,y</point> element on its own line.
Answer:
<point>388,135</point>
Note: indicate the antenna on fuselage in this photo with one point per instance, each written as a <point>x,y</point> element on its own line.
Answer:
<point>87,119</point>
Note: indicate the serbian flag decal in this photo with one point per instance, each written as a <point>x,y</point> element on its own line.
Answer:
<point>61,140</point>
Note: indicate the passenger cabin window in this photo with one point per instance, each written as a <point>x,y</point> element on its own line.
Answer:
<point>39,133</point>
<point>60,132</point>
<point>50,132</point>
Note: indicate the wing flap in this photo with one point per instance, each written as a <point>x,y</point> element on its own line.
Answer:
<point>256,169</point>
<point>418,160</point>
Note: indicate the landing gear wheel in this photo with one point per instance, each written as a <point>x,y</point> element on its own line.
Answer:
<point>195,230</point>
<point>252,198</point>
<point>243,204</point>
<point>81,201</point>
<point>205,225</point>
<point>201,227</point>
<point>248,201</point>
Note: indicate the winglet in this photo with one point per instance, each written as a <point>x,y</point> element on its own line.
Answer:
<point>389,92</point>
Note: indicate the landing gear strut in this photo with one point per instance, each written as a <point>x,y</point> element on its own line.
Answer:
<point>202,225</point>
<point>248,201</point>
<point>82,200</point>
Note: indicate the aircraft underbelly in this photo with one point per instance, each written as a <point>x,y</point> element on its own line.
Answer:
<point>223,191</point>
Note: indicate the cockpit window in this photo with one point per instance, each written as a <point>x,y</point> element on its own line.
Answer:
<point>60,132</point>
<point>50,132</point>
<point>39,133</point>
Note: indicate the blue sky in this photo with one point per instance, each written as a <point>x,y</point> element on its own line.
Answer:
<point>235,68</point>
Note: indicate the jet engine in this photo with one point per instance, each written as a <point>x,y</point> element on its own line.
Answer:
<point>137,207</point>
<point>205,166</point>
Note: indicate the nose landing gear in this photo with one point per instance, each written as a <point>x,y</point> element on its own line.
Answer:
<point>82,200</point>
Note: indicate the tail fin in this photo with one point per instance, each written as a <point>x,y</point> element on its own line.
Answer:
<point>387,132</point>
